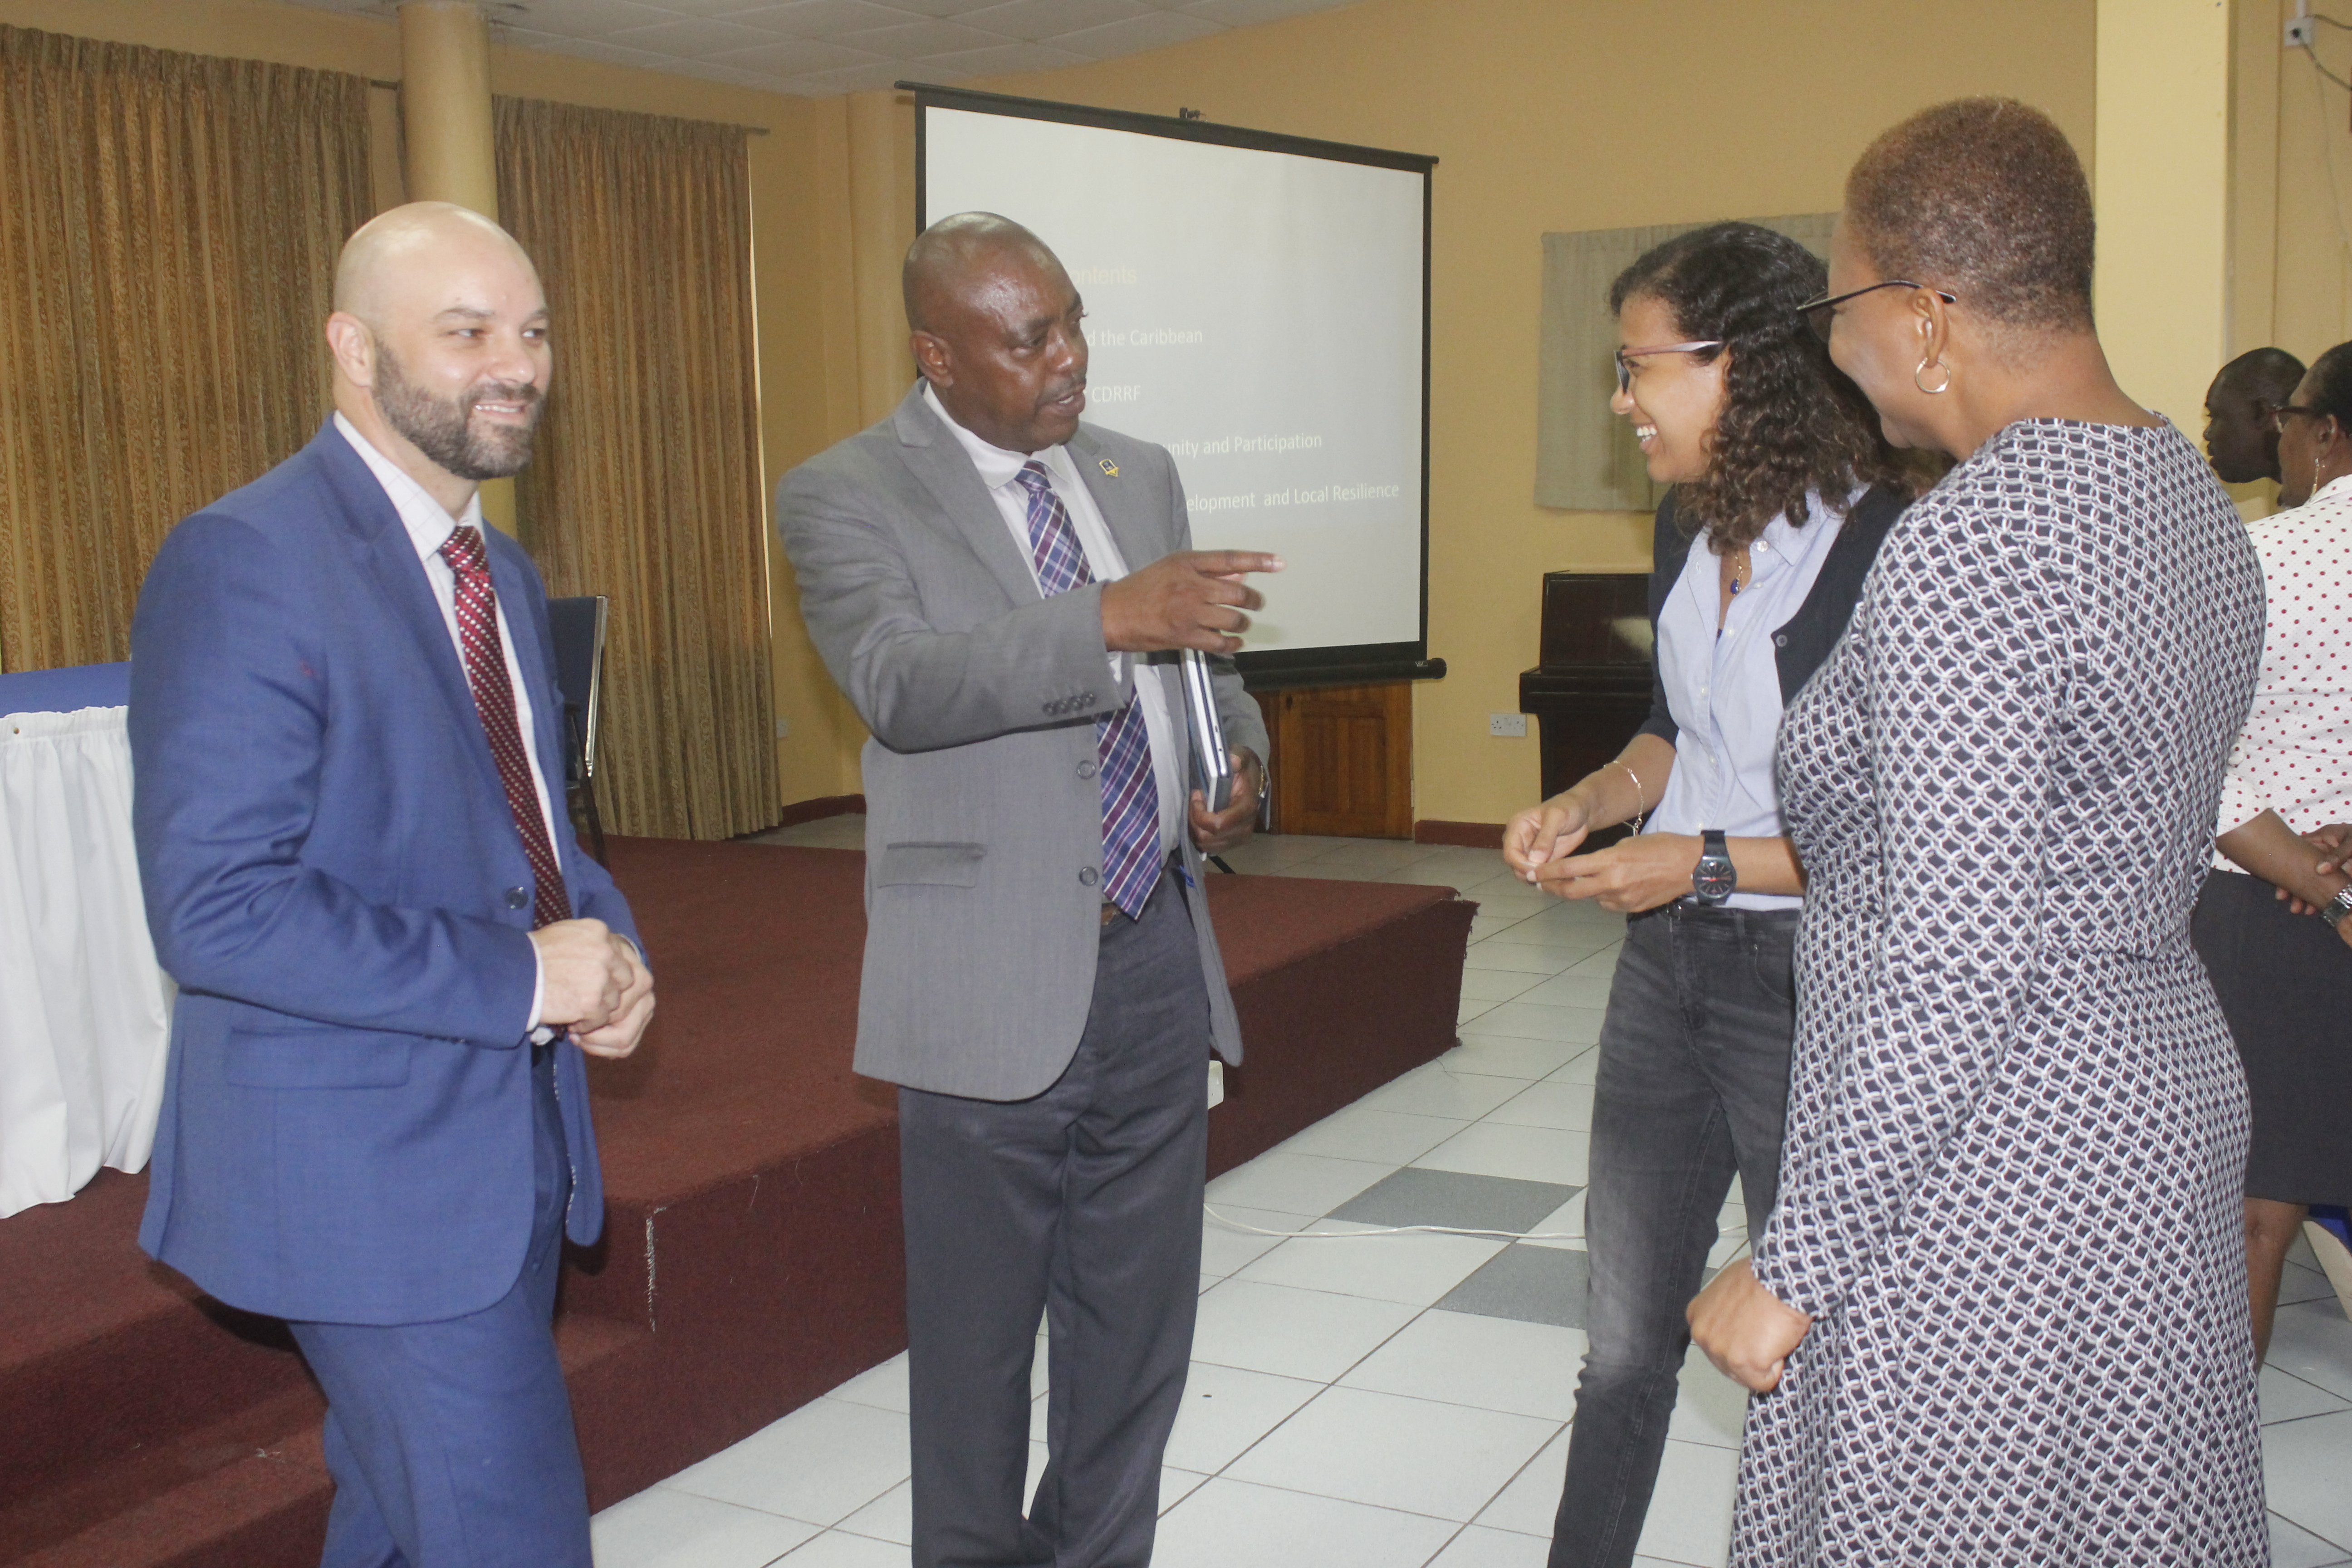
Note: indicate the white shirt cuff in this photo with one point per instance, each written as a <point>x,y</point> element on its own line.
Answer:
<point>539,1033</point>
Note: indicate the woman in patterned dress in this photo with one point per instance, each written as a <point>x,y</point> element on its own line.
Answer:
<point>1999,1314</point>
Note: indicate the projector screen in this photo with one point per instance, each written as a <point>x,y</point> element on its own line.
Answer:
<point>1258,305</point>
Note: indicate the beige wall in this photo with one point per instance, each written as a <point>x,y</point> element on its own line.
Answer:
<point>1548,115</point>
<point>2292,284</point>
<point>1562,115</point>
<point>799,196</point>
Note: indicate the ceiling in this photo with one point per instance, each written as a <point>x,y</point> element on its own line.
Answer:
<point>816,47</point>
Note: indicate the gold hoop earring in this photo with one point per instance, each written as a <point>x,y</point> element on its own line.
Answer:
<point>1919,377</point>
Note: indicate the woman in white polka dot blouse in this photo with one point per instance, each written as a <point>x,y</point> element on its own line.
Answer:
<point>2284,979</point>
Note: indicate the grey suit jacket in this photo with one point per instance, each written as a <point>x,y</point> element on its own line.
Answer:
<point>984,829</point>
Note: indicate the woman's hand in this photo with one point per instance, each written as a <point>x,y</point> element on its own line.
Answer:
<point>1630,876</point>
<point>2329,842</point>
<point>1539,834</point>
<point>1746,1330</point>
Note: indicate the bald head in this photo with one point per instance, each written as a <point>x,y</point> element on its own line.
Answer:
<point>994,324</point>
<point>439,335</point>
<point>2241,413</point>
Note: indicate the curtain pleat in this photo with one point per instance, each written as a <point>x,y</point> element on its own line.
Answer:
<point>645,483</point>
<point>169,224</point>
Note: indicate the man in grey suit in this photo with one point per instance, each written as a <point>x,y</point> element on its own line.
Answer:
<point>998,588</point>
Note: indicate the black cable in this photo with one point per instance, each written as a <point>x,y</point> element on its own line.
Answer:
<point>2323,70</point>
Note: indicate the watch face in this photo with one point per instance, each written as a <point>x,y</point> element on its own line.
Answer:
<point>1713,878</point>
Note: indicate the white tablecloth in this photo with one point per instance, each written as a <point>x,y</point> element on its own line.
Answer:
<point>85,1011</point>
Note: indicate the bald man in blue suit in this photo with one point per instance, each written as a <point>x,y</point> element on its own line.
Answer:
<point>391,953</point>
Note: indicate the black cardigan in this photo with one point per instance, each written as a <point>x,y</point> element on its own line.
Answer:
<point>1804,640</point>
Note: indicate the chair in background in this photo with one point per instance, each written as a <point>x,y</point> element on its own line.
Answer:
<point>578,628</point>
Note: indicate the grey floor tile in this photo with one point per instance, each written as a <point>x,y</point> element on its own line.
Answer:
<point>2292,1546</point>
<point>1414,1197</point>
<point>1528,1284</point>
<point>2287,1397</point>
<point>2304,1467</point>
<point>2297,1283</point>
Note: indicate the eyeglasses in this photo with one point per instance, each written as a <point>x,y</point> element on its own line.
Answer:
<point>2278,414</point>
<point>1819,313</point>
<point>1625,370</point>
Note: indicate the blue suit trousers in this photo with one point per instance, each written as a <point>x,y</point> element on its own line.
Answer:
<point>451,1443</point>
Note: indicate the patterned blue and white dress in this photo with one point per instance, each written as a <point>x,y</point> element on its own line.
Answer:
<point>2012,1191</point>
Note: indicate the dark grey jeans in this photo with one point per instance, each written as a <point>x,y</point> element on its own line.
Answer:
<point>1692,1086</point>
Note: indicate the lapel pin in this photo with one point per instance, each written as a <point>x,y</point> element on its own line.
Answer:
<point>1109,468</point>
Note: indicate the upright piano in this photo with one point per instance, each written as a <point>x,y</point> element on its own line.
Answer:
<point>1590,689</point>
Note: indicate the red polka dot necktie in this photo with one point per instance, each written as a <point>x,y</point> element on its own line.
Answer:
<point>485,672</point>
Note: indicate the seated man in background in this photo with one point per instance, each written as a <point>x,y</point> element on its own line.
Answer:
<point>982,573</point>
<point>390,950</point>
<point>2241,408</point>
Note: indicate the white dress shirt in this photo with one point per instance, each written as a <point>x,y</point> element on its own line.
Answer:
<point>430,528</point>
<point>1724,686</point>
<point>998,471</point>
<point>2295,756</point>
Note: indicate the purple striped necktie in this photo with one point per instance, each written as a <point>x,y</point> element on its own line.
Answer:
<point>1130,799</point>
<point>485,672</point>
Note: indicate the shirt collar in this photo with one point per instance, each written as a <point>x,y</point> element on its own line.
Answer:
<point>997,467</point>
<point>428,523</point>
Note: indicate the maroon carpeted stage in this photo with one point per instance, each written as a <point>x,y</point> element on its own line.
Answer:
<point>751,1260</point>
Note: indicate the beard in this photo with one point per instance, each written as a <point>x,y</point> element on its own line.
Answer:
<point>443,428</point>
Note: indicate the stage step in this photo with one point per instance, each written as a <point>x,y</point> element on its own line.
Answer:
<point>251,1487</point>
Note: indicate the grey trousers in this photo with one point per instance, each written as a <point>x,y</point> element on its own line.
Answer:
<point>1083,1204</point>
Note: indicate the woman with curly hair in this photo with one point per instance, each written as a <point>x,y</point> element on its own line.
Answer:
<point>1999,1314</point>
<point>1778,470</point>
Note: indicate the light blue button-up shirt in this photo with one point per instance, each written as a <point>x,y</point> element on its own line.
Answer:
<point>1724,689</point>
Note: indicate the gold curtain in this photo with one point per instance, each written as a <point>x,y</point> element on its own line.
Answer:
<point>645,485</point>
<point>169,224</point>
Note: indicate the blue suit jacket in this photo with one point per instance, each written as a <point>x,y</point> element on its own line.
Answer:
<point>333,878</point>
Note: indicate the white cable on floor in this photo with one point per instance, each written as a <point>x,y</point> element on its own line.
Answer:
<point>1388,1230</point>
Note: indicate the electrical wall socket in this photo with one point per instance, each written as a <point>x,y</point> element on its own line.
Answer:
<point>1511,724</point>
<point>2300,32</point>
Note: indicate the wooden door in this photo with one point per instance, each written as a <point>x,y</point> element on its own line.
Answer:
<point>1342,759</point>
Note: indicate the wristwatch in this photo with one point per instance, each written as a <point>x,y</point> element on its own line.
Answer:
<point>1713,878</point>
<point>2336,907</point>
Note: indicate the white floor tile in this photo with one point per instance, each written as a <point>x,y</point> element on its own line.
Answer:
<point>1507,1055</point>
<point>1530,1503</point>
<point>1469,1007</point>
<point>1548,937</point>
<point>1690,1514</point>
<point>2305,1464</point>
<point>836,1549</point>
<point>1535,1021</point>
<point>2313,1341</point>
<point>1227,1409</point>
<point>2298,1283</point>
<point>1295,1183</point>
<point>1710,1408</point>
<point>1313,1334</point>
<point>1416,1268</point>
<point>1565,1106</point>
<point>821,1463</point>
<point>1485,926</point>
<point>890,1517</point>
<point>1564,1226</point>
<point>883,1387</point>
<point>1579,1068</point>
<point>1479,1547</point>
<point>1496,985</point>
<point>1521,1153</point>
<point>663,1529</point>
<point>1383,1137</point>
<point>2287,1397</point>
<point>1602,962</point>
<point>1431,1090</point>
<point>2292,1546</point>
<point>1233,1524</point>
<point>1542,963</point>
<point>1224,1248</point>
<point>1175,1486</point>
<point>1443,1460</point>
<point>1574,989</point>
<point>1493,1364</point>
